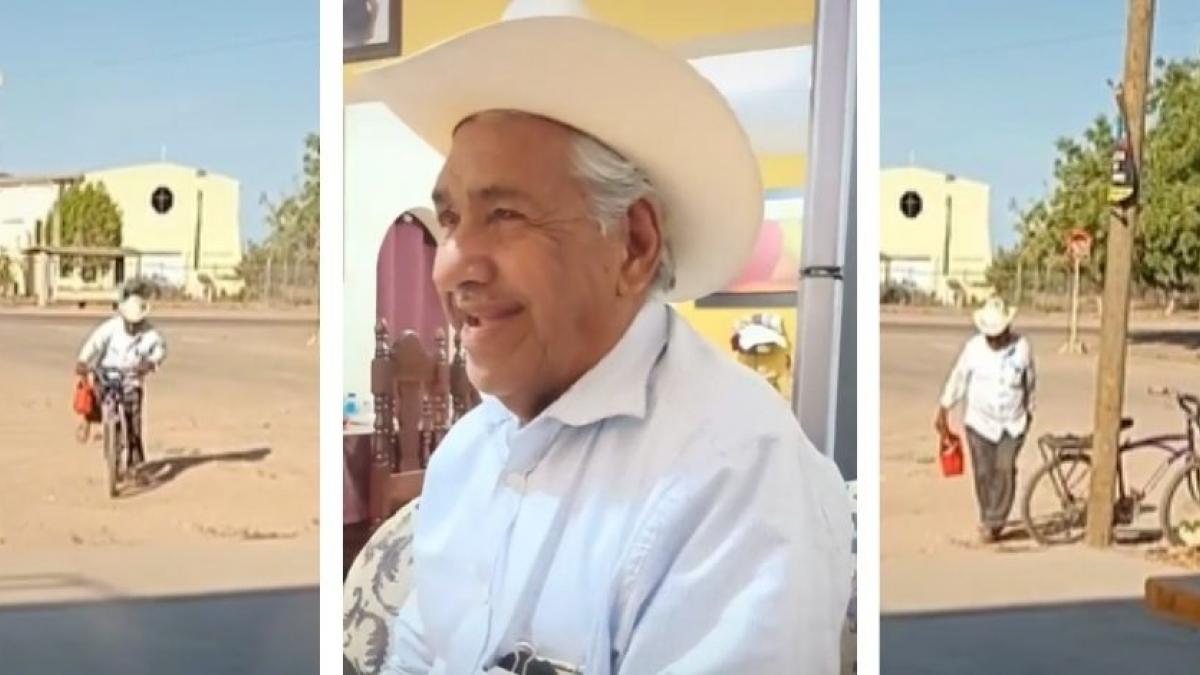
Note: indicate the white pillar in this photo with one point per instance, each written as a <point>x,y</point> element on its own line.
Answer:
<point>828,216</point>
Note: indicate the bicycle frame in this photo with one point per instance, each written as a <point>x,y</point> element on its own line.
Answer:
<point>1167,444</point>
<point>1178,447</point>
<point>112,393</point>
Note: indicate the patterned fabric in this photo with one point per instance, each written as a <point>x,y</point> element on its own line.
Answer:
<point>375,588</point>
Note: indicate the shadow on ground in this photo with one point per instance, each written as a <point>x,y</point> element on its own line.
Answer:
<point>250,632</point>
<point>158,472</point>
<point>1095,637</point>
<point>25,583</point>
<point>1176,337</point>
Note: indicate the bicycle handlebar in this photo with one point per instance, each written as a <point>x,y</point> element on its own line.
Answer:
<point>1188,403</point>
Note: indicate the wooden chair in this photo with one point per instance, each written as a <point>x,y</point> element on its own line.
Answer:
<point>417,396</point>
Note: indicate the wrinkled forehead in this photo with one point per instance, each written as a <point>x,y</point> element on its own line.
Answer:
<point>507,147</point>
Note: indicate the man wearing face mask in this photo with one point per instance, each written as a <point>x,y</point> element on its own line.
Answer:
<point>626,498</point>
<point>129,343</point>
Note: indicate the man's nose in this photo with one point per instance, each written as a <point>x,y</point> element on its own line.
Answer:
<point>465,257</point>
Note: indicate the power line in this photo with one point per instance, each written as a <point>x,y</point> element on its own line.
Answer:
<point>182,54</point>
<point>1020,46</point>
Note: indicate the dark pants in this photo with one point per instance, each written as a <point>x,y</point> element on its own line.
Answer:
<point>995,467</point>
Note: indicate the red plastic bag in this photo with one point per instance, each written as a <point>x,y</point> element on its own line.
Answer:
<point>85,399</point>
<point>950,454</point>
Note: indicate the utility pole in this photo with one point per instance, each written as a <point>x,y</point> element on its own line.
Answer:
<point>1114,322</point>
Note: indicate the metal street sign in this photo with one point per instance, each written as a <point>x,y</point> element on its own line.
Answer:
<point>1079,244</point>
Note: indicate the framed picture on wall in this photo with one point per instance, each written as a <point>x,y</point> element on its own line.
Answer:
<point>770,277</point>
<point>370,29</point>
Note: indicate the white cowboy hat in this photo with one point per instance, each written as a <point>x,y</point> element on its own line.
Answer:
<point>133,308</point>
<point>755,335</point>
<point>994,317</point>
<point>643,101</point>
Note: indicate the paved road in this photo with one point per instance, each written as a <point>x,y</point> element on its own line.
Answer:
<point>1114,637</point>
<point>259,632</point>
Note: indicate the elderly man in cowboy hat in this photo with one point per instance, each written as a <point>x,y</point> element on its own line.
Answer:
<point>127,342</point>
<point>995,374</point>
<point>626,499</point>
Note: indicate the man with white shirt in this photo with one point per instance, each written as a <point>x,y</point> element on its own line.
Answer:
<point>995,374</point>
<point>126,342</point>
<point>626,499</point>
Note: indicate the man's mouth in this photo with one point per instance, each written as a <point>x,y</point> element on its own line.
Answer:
<point>483,319</point>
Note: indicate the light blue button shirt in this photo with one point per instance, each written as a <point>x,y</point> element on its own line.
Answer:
<point>665,515</point>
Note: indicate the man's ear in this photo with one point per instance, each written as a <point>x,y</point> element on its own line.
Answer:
<point>643,247</point>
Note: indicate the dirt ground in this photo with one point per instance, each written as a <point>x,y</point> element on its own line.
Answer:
<point>923,513</point>
<point>950,604</point>
<point>231,424</point>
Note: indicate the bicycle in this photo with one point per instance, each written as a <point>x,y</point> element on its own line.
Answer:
<point>120,458</point>
<point>1066,469</point>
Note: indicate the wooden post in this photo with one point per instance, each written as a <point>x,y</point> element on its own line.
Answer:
<point>1114,323</point>
<point>383,438</point>
<point>1020,266</point>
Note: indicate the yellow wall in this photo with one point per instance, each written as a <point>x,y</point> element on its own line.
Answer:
<point>145,229</point>
<point>428,22</point>
<point>925,236</point>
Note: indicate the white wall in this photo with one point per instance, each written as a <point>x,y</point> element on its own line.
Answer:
<point>388,171</point>
<point>21,206</point>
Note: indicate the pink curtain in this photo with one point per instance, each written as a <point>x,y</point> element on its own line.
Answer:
<point>404,293</point>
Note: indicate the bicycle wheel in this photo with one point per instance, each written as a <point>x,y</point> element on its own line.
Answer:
<point>1055,503</point>
<point>1179,513</point>
<point>112,452</point>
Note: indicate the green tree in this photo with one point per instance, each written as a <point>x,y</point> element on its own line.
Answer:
<point>293,228</point>
<point>89,218</point>
<point>1168,252</point>
<point>1167,242</point>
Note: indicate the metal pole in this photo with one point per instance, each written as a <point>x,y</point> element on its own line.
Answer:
<point>1074,341</point>
<point>1114,323</point>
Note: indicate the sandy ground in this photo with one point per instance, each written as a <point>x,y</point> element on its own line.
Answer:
<point>231,428</point>
<point>949,602</point>
<point>925,513</point>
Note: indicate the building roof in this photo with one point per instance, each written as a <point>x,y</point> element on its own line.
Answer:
<point>8,180</point>
<point>86,251</point>
<point>933,174</point>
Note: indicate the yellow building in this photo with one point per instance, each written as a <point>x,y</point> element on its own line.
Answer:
<point>183,220</point>
<point>757,52</point>
<point>933,236</point>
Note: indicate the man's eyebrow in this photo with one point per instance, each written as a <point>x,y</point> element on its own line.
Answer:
<point>494,192</point>
<point>487,194</point>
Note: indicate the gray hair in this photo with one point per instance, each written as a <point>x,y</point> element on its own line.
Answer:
<point>613,184</point>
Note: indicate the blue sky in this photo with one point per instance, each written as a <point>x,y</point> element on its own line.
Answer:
<point>228,86</point>
<point>982,88</point>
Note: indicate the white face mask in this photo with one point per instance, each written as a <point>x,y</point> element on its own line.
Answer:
<point>133,309</point>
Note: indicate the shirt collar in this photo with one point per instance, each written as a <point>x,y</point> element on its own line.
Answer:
<point>616,385</point>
